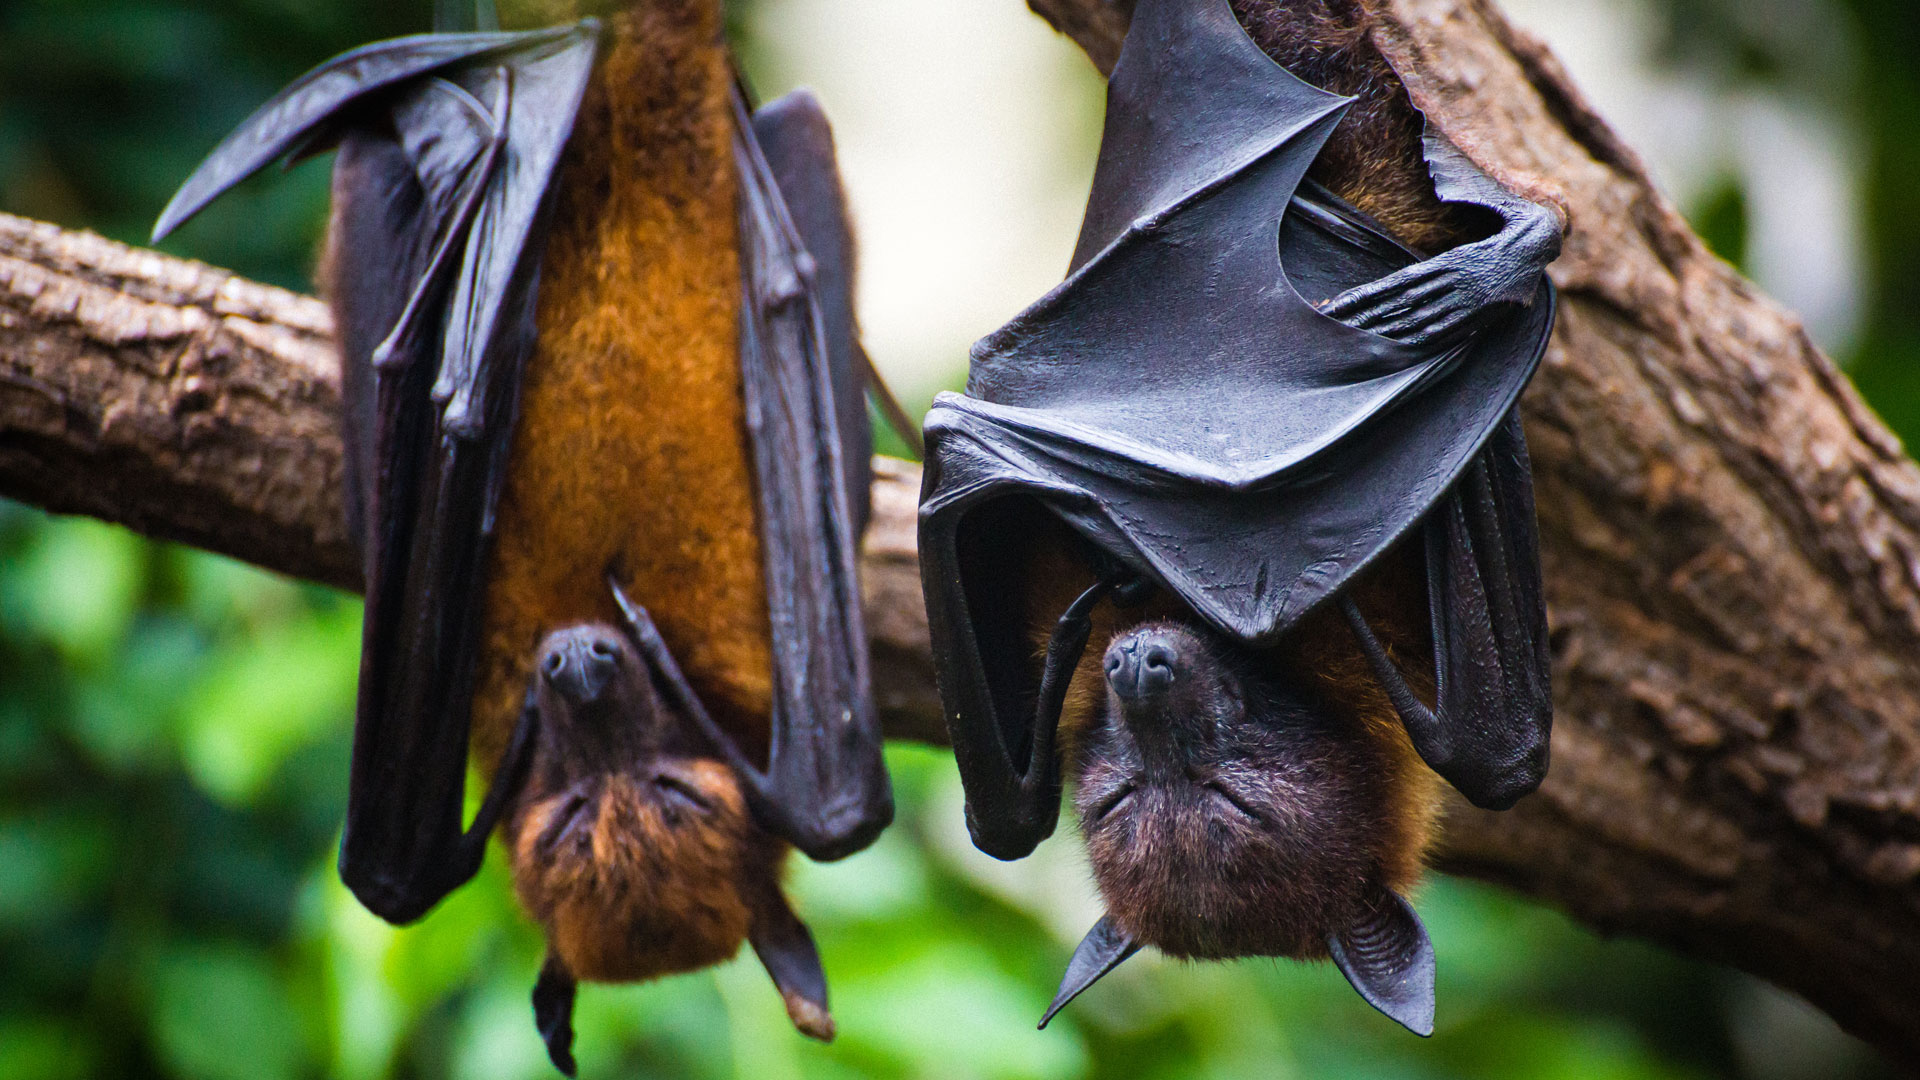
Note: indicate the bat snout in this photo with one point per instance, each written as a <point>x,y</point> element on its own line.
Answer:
<point>580,663</point>
<point>1143,665</point>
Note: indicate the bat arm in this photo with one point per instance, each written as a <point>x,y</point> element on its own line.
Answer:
<point>404,901</point>
<point>1429,734</point>
<point>659,657</point>
<point>1064,650</point>
<point>1445,298</point>
<point>507,780</point>
<point>1032,798</point>
<point>646,636</point>
<point>403,340</point>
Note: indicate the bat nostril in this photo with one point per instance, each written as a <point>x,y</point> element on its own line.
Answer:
<point>554,664</point>
<point>602,649</point>
<point>1157,662</point>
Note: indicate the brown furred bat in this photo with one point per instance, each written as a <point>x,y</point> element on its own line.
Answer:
<point>607,458</point>
<point>632,842</point>
<point>1234,528</point>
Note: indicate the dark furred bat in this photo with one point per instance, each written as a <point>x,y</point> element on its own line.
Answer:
<point>607,456</point>
<point>1262,457</point>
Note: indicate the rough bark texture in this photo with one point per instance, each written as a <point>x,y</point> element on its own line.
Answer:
<point>1732,541</point>
<point>175,398</point>
<point>1732,549</point>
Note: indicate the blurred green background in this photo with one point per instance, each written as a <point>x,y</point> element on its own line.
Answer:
<point>174,726</point>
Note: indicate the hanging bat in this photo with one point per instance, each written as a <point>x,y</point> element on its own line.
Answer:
<point>607,457</point>
<point>1263,456</point>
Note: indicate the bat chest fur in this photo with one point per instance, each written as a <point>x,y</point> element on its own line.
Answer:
<point>1375,827</point>
<point>630,455</point>
<point>630,886</point>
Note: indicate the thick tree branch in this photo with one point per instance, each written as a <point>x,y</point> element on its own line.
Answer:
<point>1732,541</point>
<point>197,406</point>
<point>172,397</point>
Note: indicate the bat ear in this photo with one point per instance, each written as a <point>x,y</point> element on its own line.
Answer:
<point>785,949</point>
<point>553,1012</point>
<point>1102,950</point>
<point>1388,959</point>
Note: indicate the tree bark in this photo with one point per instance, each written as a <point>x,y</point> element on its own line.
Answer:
<point>193,405</point>
<point>1731,539</point>
<point>171,397</point>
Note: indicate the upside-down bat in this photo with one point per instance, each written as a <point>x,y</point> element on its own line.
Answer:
<point>1264,457</point>
<point>607,456</point>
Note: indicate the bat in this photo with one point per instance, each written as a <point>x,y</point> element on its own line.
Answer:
<point>1264,454</point>
<point>607,457</point>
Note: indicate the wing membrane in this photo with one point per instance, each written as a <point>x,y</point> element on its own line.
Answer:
<point>826,788</point>
<point>448,145</point>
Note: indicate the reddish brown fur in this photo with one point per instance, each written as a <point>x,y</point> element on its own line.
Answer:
<point>631,456</point>
<point>645,891</point>
<point>619,461</point>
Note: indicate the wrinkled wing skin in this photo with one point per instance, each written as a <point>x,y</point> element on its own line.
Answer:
<point>1180,402</point>
<point>1489,629</point>
<point>448,144</point>
<point>798,144</point>
<point>830,795</point>
<point>442,430</point>
<point>291,119</point>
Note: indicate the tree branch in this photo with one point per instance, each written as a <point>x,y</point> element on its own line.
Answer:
<point>171,397</point>
<point>193,405</point>
<point>1731,539</point>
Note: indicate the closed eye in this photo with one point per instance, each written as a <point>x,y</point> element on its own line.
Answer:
<point>1226,794</point>
<point>675,788</point>
<point>560,826</point>
<point>1112,802</point>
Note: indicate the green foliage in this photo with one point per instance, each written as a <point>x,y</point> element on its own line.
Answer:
<point>174,734</point>
<point>173,748</point>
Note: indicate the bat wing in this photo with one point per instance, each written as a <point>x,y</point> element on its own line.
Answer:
<point>826,786</point>
<point>1490,628</point>
<point>448,144</point>
<point>1181,402</point>
<point>1487,732</point>
<point>798,145</point>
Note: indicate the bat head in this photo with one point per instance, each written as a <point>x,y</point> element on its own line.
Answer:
<point>598,705</point>
<point>636,851</point>
<point>1225,814</point>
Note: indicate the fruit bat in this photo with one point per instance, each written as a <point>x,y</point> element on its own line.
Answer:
<point>607,457</point>
<point>1248,417</point>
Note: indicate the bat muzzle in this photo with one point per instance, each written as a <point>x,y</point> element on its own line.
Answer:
<point>1143,666</point>
<point>580,664</point>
